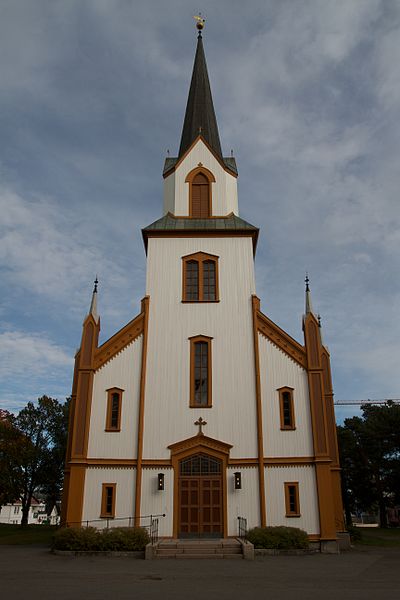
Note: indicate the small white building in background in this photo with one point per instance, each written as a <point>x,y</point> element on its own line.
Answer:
<point>11,514</point>
<point>201,407</point>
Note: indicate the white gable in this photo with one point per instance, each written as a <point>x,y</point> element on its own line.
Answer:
<point>224,190</point>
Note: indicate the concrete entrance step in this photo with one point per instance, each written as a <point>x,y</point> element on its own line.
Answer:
<point>224,548</point>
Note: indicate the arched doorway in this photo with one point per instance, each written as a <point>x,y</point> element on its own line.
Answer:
<point>200,497</point>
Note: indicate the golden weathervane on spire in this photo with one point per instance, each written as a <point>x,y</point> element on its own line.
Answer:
<point>200,22</point>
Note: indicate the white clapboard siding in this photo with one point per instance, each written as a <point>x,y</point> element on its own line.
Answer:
<point>275,478</point>
<point>224,190</point>
<point>123,371</point>
<point>277,370</point>
<point>155,502</point>
<point>245,502</point>
<point>168,418</point>
<point>125,479</point>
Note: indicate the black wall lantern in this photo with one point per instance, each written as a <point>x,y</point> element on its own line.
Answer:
<point>238,481</point>
<point>160,482</point>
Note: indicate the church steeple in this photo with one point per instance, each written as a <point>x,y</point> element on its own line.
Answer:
<point>200,116</point>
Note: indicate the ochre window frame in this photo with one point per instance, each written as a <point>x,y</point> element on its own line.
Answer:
<point>189,179</point>
<point>289,512</point>
<point>104,514</point>
<point>110,392</point>
<point>200,258</point>
<point>193,340</point>
<point>292,425</point>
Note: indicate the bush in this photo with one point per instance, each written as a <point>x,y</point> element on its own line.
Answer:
<point>122,539</point>
<point>280,538</point>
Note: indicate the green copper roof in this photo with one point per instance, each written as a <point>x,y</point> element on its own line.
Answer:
<point>229,223</point>
<point>228,161</point>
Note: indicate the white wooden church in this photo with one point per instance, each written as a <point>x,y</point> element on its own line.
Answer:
<point>201,407</point>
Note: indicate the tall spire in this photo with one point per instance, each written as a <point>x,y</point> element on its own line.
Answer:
<point>93,304</point>
<point>200,115</point>
<point>309,308</point>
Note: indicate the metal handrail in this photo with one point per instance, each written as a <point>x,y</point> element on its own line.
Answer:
<point>131,521</point>
<point>242,527</point>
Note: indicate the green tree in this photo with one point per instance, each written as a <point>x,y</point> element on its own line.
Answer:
<point>10,442</point>
<point>39,460</point>
<point>370,459</point>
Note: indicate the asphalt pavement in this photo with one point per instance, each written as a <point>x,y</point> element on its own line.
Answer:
<point>365,573</point>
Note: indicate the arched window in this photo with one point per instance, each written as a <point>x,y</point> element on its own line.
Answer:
<point>200,372</point>
<point>113,417</point>
<point>200,278</point>
<point>200,180</point>
<point>286,408</point>
<point>200,208</point>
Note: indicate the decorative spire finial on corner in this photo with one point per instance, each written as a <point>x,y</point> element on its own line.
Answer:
<point>309,308</point>
<point>319,321</point>
<point>93,303</point>
<point>200,22</point>
<point>307,281</point>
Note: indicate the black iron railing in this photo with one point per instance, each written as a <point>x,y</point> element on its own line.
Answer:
<point>151,526</point>
<point>153,529</point>
<point>242,528</point>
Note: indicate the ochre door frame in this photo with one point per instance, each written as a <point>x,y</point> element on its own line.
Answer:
<point>200,444</point>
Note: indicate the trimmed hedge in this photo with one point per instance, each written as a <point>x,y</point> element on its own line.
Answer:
<point>279,538</point>
<point>90,539</point>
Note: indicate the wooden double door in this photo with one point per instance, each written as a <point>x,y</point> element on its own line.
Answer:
<point>200,497</point>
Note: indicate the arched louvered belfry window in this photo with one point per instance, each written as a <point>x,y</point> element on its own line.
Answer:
<point>200,180</point>
<point>200,208</point>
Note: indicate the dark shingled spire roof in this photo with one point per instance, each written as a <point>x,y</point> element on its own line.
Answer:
<point>200,115</point>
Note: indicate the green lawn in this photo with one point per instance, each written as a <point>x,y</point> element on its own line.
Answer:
<point>375,536</point>
<point>32,534</point>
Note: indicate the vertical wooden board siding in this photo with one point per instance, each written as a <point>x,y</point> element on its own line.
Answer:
<point>224,190</point>
<point>244,502</point>
<point>169,194</point>
<point>168,417</point>
<point>275,478</point>
<point>279,370</point>
<point>80,414</point>
<point>320,438</point>
<point>154,502</point>
<point>125,488</point>
<point>123,371</point>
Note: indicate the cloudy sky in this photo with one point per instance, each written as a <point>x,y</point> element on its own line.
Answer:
<point>93,93</point>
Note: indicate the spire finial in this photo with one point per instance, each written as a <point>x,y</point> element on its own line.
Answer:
<point>319,321</point>
<point>309,308</point>
<point>93,303</point>
<point>200,22</point>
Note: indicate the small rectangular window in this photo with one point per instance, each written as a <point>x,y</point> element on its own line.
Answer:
<point>286,408</point>
<point>114,402</point>
<point>108,500</point>
<point>292,499</point>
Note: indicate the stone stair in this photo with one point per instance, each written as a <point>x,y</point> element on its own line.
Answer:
<point>198,549</point>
